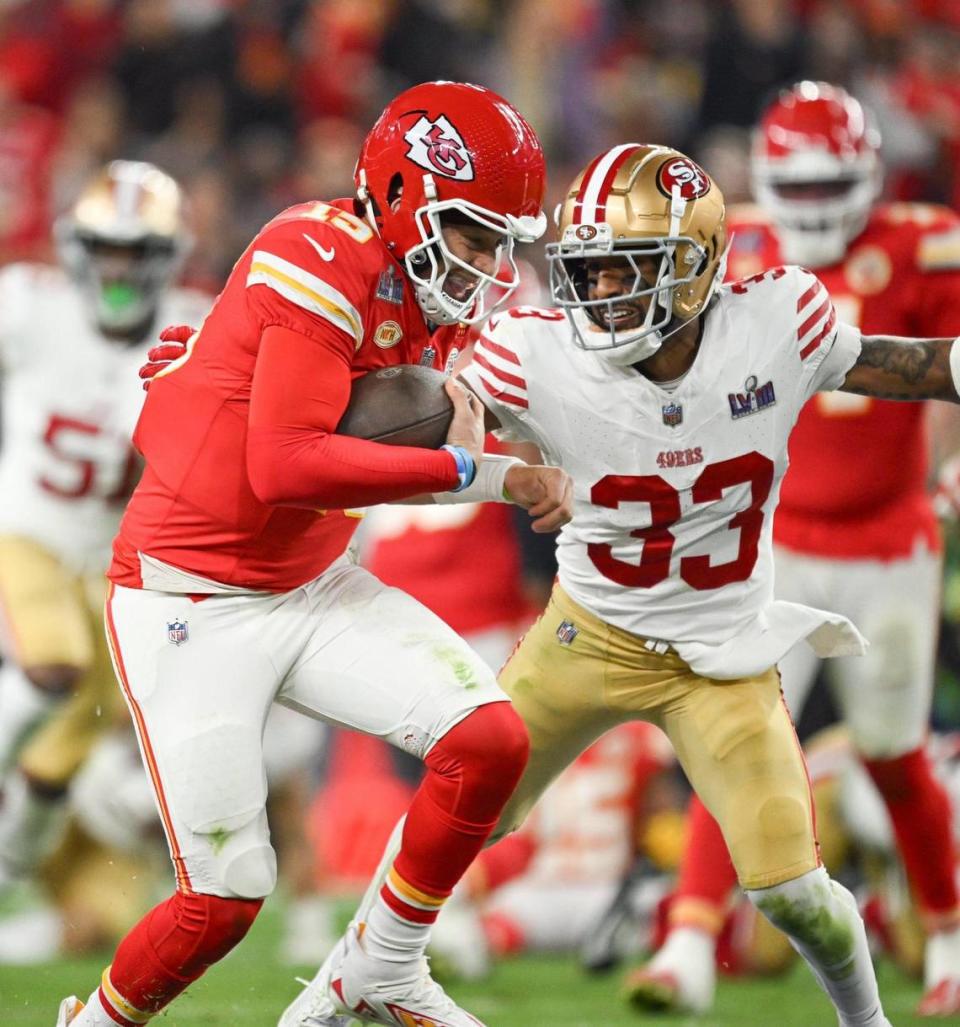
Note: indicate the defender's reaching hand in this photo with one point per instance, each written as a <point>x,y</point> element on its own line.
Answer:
<point>546,493</point>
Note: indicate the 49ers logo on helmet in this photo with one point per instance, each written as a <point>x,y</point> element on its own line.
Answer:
<point>682,172</point>
<point>437,146</point>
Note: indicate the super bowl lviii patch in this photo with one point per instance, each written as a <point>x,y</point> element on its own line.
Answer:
<point>567,632</point>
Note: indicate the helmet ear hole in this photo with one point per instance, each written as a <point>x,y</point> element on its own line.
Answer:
<point>395,189</point>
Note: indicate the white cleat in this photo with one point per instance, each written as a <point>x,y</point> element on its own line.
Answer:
<point>348,986</point>
<point>682,976</point>
<point>70,1008</point>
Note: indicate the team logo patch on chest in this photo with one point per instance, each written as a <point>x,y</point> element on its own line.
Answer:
<point>753,399</point>
<point>390,287</point>
<point>672,414</point>
<point>388,334</point>
<point>177,632</point>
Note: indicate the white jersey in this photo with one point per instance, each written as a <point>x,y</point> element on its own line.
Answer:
<point>674,491</point>
<point>70,401</point>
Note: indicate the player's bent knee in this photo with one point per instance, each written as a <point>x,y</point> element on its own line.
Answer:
<point>221,922</point>
<point>491,737</point>
<point>251,874</point>
<point>783,817</point>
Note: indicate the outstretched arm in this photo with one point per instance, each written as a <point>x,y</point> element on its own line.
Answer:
<point>896,368</point>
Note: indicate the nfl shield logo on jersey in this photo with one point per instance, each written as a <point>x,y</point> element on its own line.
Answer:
<point>177,632</point>
<point>567,632</point>
<point>672,414</point>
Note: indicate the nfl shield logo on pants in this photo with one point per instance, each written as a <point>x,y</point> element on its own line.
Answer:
<point>567,632</point>
<point>177,632</point>
<point>672,414</point>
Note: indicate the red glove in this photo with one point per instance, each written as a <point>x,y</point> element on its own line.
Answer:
<point>173,345</point>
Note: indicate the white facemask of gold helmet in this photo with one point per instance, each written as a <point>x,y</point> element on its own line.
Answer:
<point>638,202</point>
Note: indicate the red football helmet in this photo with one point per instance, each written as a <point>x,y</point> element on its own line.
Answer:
<point>816,170</point>
<point>451,147</point>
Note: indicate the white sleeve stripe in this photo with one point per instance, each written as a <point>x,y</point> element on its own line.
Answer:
<point>305,290</point>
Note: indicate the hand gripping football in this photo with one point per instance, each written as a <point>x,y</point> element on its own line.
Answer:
<point>403,405</point>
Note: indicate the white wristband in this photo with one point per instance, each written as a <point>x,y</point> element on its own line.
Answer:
<point>487,486</point>
<point>955,365</point>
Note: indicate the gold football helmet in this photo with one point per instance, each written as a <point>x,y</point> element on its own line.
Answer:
<point>635,202</point>
<point>122,242</point>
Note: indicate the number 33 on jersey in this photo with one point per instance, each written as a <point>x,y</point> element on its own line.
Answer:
<point>675,490</point>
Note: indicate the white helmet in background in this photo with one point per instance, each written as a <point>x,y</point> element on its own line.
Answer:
<point>122,242</point>
<point>816,171</point>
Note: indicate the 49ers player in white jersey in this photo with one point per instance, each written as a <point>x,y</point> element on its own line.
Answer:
<point>855,529</point>
<point>233,585</point>
<point>70,339</point>
<point>670,399</point>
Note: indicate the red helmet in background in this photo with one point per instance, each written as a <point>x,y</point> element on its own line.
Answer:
<point>816,170</point>
<point>451,148</point>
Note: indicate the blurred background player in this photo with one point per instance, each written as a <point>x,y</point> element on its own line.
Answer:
<point>70,339</point>
<point>855,531</point>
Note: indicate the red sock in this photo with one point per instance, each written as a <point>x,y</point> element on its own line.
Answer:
<point>471,772</point>
<point>920,812</point>
<point>170,948</point>
<point>706,875</point>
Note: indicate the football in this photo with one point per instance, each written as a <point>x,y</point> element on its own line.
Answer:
<point>403,405</point>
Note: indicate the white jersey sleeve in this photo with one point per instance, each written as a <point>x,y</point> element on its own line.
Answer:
<point>498,376</point>
<point>827,348</point>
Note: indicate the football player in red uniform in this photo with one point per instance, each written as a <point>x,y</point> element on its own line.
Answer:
<point>232,583</point>
<point>855,531</point>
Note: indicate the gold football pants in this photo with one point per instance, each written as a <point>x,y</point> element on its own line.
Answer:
<point>55,617</point>
<point>734,739</point>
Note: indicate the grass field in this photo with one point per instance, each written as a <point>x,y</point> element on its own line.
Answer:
<point>249,989</point>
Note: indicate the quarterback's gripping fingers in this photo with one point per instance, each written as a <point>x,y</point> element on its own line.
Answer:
<point>466,428</point>
<point>177,333</point>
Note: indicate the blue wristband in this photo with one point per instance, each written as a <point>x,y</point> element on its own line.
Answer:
<point>466,468</point>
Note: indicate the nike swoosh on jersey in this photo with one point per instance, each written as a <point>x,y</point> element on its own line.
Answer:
<point>325,254</point>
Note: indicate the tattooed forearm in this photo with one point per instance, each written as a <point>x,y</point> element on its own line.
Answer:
<point>892,368</point>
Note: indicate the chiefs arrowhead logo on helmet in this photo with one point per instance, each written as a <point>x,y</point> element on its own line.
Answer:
<point>683,172</point>
<point>438,147</point>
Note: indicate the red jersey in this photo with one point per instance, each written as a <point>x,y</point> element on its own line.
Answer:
<point>857,483</point>
<point>245,479</point>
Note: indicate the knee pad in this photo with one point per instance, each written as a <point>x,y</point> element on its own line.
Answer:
<point>220,790</point>
<point>486,754</point>
<point>217,925</point>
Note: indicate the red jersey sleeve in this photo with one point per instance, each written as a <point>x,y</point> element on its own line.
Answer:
<point>301,387</point>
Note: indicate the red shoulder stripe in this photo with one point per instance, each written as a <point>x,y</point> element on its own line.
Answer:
<point>503,395</point>
<point>814,343</point>
<point>503,376</point>
<point>497,349</point>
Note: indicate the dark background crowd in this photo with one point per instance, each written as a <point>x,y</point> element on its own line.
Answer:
<point>255,104</point>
